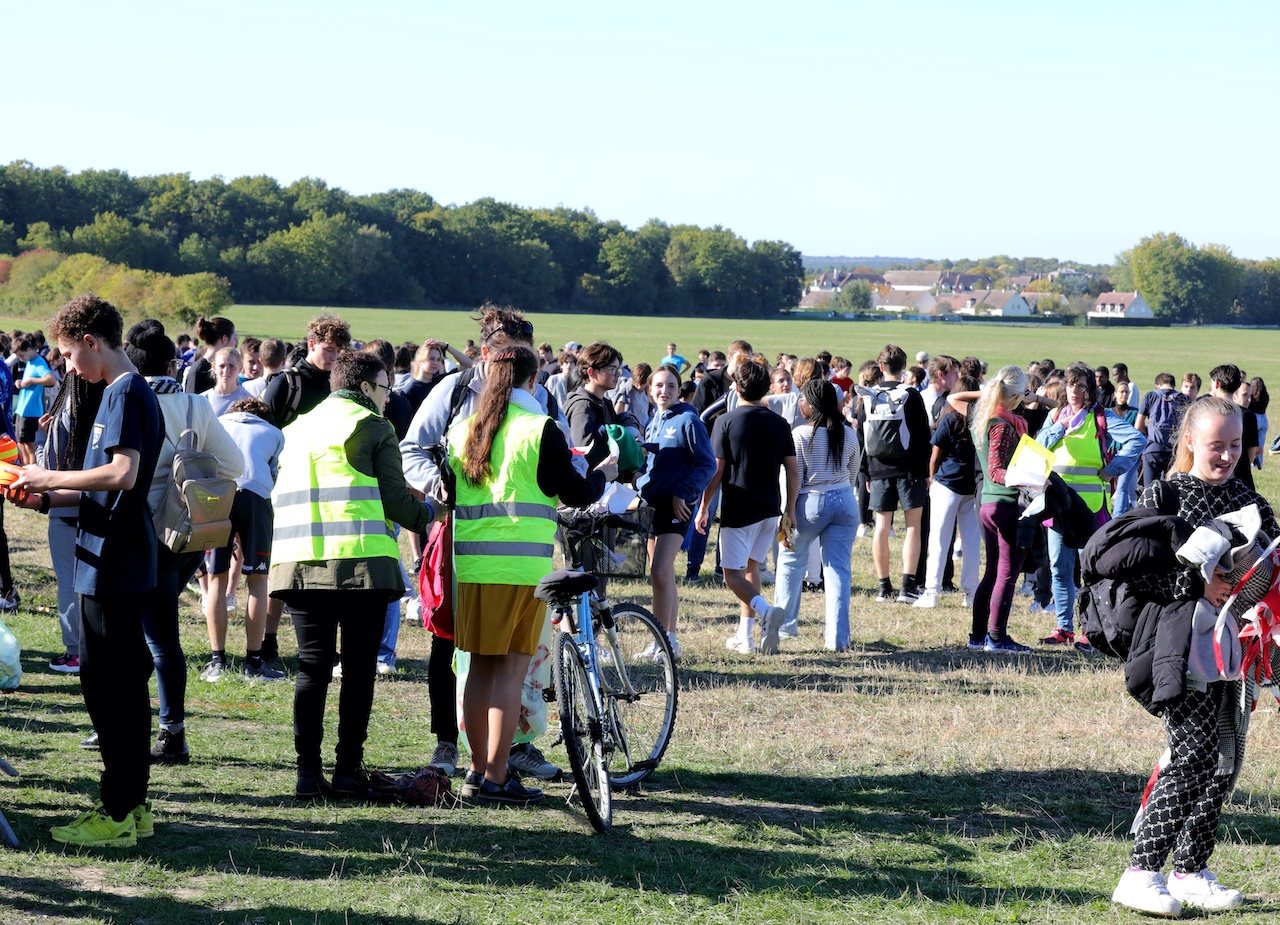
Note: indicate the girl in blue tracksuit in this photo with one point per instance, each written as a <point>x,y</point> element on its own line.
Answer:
<point>679,466</point>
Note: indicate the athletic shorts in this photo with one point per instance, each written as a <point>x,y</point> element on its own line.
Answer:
<point>752,542</point>
<point>497,619</point>
<point>908,492</point>
<point>252,520</point>
<point>664,521</point>
<point>26,429</point>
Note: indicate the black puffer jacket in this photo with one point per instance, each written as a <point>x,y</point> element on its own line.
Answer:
<point>1152,636</point>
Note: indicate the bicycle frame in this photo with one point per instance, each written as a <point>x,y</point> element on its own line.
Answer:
<point>582,630</point>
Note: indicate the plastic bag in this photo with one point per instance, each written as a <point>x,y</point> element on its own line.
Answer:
<point>10,659</point>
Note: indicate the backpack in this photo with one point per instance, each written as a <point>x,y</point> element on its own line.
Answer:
<point>195,512</point>
<point>885,433</point>
<point>1166,415</point>
<point>292,395</point>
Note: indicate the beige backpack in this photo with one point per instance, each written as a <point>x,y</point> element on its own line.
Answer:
<point>195,512</point>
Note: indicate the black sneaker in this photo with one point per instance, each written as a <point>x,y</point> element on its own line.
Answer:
<point>512,793</point>
<point>885,594</point>
<point>471,782</point>
<point>907,596</point>
<point>171,748</point>
<point>311,785</point>
<point>349,785</point>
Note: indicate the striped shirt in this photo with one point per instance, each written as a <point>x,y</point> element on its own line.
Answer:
<point>817,470</point>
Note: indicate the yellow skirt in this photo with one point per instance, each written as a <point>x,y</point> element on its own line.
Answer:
<point>497,619</point>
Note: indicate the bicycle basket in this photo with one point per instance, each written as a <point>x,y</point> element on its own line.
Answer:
<point>615,546</point>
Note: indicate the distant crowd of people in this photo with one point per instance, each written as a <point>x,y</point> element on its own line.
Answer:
<point>335,447</point>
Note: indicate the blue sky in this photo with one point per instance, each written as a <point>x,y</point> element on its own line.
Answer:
<point>926,129</point>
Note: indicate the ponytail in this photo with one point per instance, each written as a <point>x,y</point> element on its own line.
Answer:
<point>505,371</point>
<point>824,410</point>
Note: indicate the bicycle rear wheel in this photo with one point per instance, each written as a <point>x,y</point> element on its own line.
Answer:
<point>583,734</point>
<point>641,724</point>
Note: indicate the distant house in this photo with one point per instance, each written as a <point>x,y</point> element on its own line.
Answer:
<point>822,289</point>
<point>912,301</point>
<point>1022,282</point>
<point>913,280</point>
<point>1120,305</point>
<point>1042,301</point>
<point>1001,302</point>
<point>963,282</point>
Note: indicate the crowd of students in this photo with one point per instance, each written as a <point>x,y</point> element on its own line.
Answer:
<point>328,445</point>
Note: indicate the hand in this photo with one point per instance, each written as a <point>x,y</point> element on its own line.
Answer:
<point>680,509</point>
<point>20,498</point>
<point>701,523</point>
<point>608,467</point>
<point>34,478</point>
<point>1218,589</point>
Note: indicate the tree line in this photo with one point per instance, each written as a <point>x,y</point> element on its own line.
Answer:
<point>308,243</point>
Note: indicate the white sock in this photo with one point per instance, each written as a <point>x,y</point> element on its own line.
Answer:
<point>746,626</point>
<point>671,637</point>
<point>759,606</point>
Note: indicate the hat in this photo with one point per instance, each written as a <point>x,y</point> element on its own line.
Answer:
<point>922,358</point>
<point>572,347</point>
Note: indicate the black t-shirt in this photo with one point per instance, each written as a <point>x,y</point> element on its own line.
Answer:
<point>753,442</point>
<point>1035,417</point>
<point>398,413</point>
<point>198,377</point>
<point>956,463</point>
<point>417,391</point>
<point>116,542</point>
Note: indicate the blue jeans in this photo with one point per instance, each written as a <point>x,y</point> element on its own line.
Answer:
<point>832,518</point>
<point>696,543</point>
<point>1062,570</point>
<point>160,629</point>
<point>391,622</point>
<point>1126,491</point>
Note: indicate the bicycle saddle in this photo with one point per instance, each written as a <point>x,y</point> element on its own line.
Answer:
<point>564,585</point>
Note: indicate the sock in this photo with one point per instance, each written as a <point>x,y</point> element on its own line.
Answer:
<point>886,584</point>
<point>219,656</point>
<point>269,643</point>
<point>746,626</point>
<point>253,657</point>
<point>908,582</point>
<point>759,606</point>
<point>671,637</point>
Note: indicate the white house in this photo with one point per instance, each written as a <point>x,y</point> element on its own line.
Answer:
<point>1120,305</point>
<point>1000,302</point>
<point>913,280</point>
<point>905,300</point>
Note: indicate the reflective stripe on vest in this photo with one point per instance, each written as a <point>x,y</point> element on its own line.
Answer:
<point>1077,458</point>
<point>324,507</point>
<point>504,530</point>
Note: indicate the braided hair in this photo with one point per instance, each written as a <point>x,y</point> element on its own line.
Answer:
<point>81,398</point>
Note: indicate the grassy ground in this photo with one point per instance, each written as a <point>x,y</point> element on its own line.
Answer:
<point>905,781</point>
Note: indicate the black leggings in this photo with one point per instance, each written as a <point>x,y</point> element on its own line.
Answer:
<point>6,574</point>
<point>442,689</point>
<point>317,618</point>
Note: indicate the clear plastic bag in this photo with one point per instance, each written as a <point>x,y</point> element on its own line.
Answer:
<point>10,659</point>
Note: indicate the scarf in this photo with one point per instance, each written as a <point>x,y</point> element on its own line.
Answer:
<point>1016,421</point>
<point>163,385</point>
<point>358,397</point>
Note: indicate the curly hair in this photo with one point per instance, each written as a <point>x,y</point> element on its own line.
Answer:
<point>87,314</point>
<point>329,329</point>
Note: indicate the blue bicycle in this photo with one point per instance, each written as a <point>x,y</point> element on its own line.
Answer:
<point>615,687</point>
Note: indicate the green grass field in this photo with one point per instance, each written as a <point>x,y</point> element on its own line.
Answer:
<point>906,781</point>
<point>1146,350</point>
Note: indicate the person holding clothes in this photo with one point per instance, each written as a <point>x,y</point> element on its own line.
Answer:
<point>511,465</point>
<point>996,430</point>
<point>827,458</point>
<point>152,352</point>
<point>1181,812</point>
<point>115,565</point>
<point>1092,446</point>
<point>679,466</point>
<point>335,563</point>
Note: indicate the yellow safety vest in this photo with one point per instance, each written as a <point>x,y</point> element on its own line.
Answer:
<point>324,507</point>
<point>1077,457</point>
<point>504,530</point>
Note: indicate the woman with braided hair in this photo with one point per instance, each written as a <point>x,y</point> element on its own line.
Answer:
<point>511,463</point>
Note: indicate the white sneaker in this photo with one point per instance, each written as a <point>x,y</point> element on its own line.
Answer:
<point>675,648</point>
<point>968,600</point>
<point>413,612</point>
<point>743,645</point>
<point>863,530</point>
<point>649,653</point>
<point>773,619</point>
<point>1203,891</point>
<point>928,599</point>
<point>1146,891</point>
<point>231,602</point>
<point>385,670</point>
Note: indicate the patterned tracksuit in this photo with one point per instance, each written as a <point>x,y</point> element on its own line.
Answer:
<point>1183,811</point>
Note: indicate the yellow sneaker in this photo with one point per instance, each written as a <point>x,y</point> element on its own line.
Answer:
<point>143,820</point>
<point>95,829</point>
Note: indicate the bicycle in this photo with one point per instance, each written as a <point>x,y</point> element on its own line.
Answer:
<point>616,690</point>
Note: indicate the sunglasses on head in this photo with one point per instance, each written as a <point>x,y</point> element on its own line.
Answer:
<point>510,328</point>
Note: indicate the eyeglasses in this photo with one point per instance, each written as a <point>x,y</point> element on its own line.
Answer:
<point>380,385</point>
<point>510,328</point>
<point>615,369</point>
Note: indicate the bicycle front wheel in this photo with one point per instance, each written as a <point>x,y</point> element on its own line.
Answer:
<point>583,734</point>
<point>642,721</point>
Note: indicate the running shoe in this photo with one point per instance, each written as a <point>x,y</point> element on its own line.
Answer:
<point>1007,644</point>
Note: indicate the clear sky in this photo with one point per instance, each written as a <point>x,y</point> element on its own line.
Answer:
<point>911,129</point>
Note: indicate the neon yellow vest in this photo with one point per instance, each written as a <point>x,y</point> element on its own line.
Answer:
<point>325,508</point>
<point>504,530</point>
<point>1077,458</point>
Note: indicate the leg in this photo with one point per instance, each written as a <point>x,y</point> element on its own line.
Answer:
<point>62,547</point>
<point>255,613</point>
<point>982,598</point>
<point>442,690</point>
<point>1062,567</point>
<point>1008,568</point>
<point>160,628</point>
<point>944,505</point>
<point>970,532</point>
<point>880,544</point>
<point>662,576</point>
<point>215,609</point>
<point>316,628</point>
<point>358,614</point>
<point>389,635</point>
<point>6,572</point>
<point>837,545</point>
<point>911,542</point>
<point>114,668</point>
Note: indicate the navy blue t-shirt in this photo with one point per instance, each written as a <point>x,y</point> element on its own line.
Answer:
<point>956,463</point>
<point>116,542</point>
